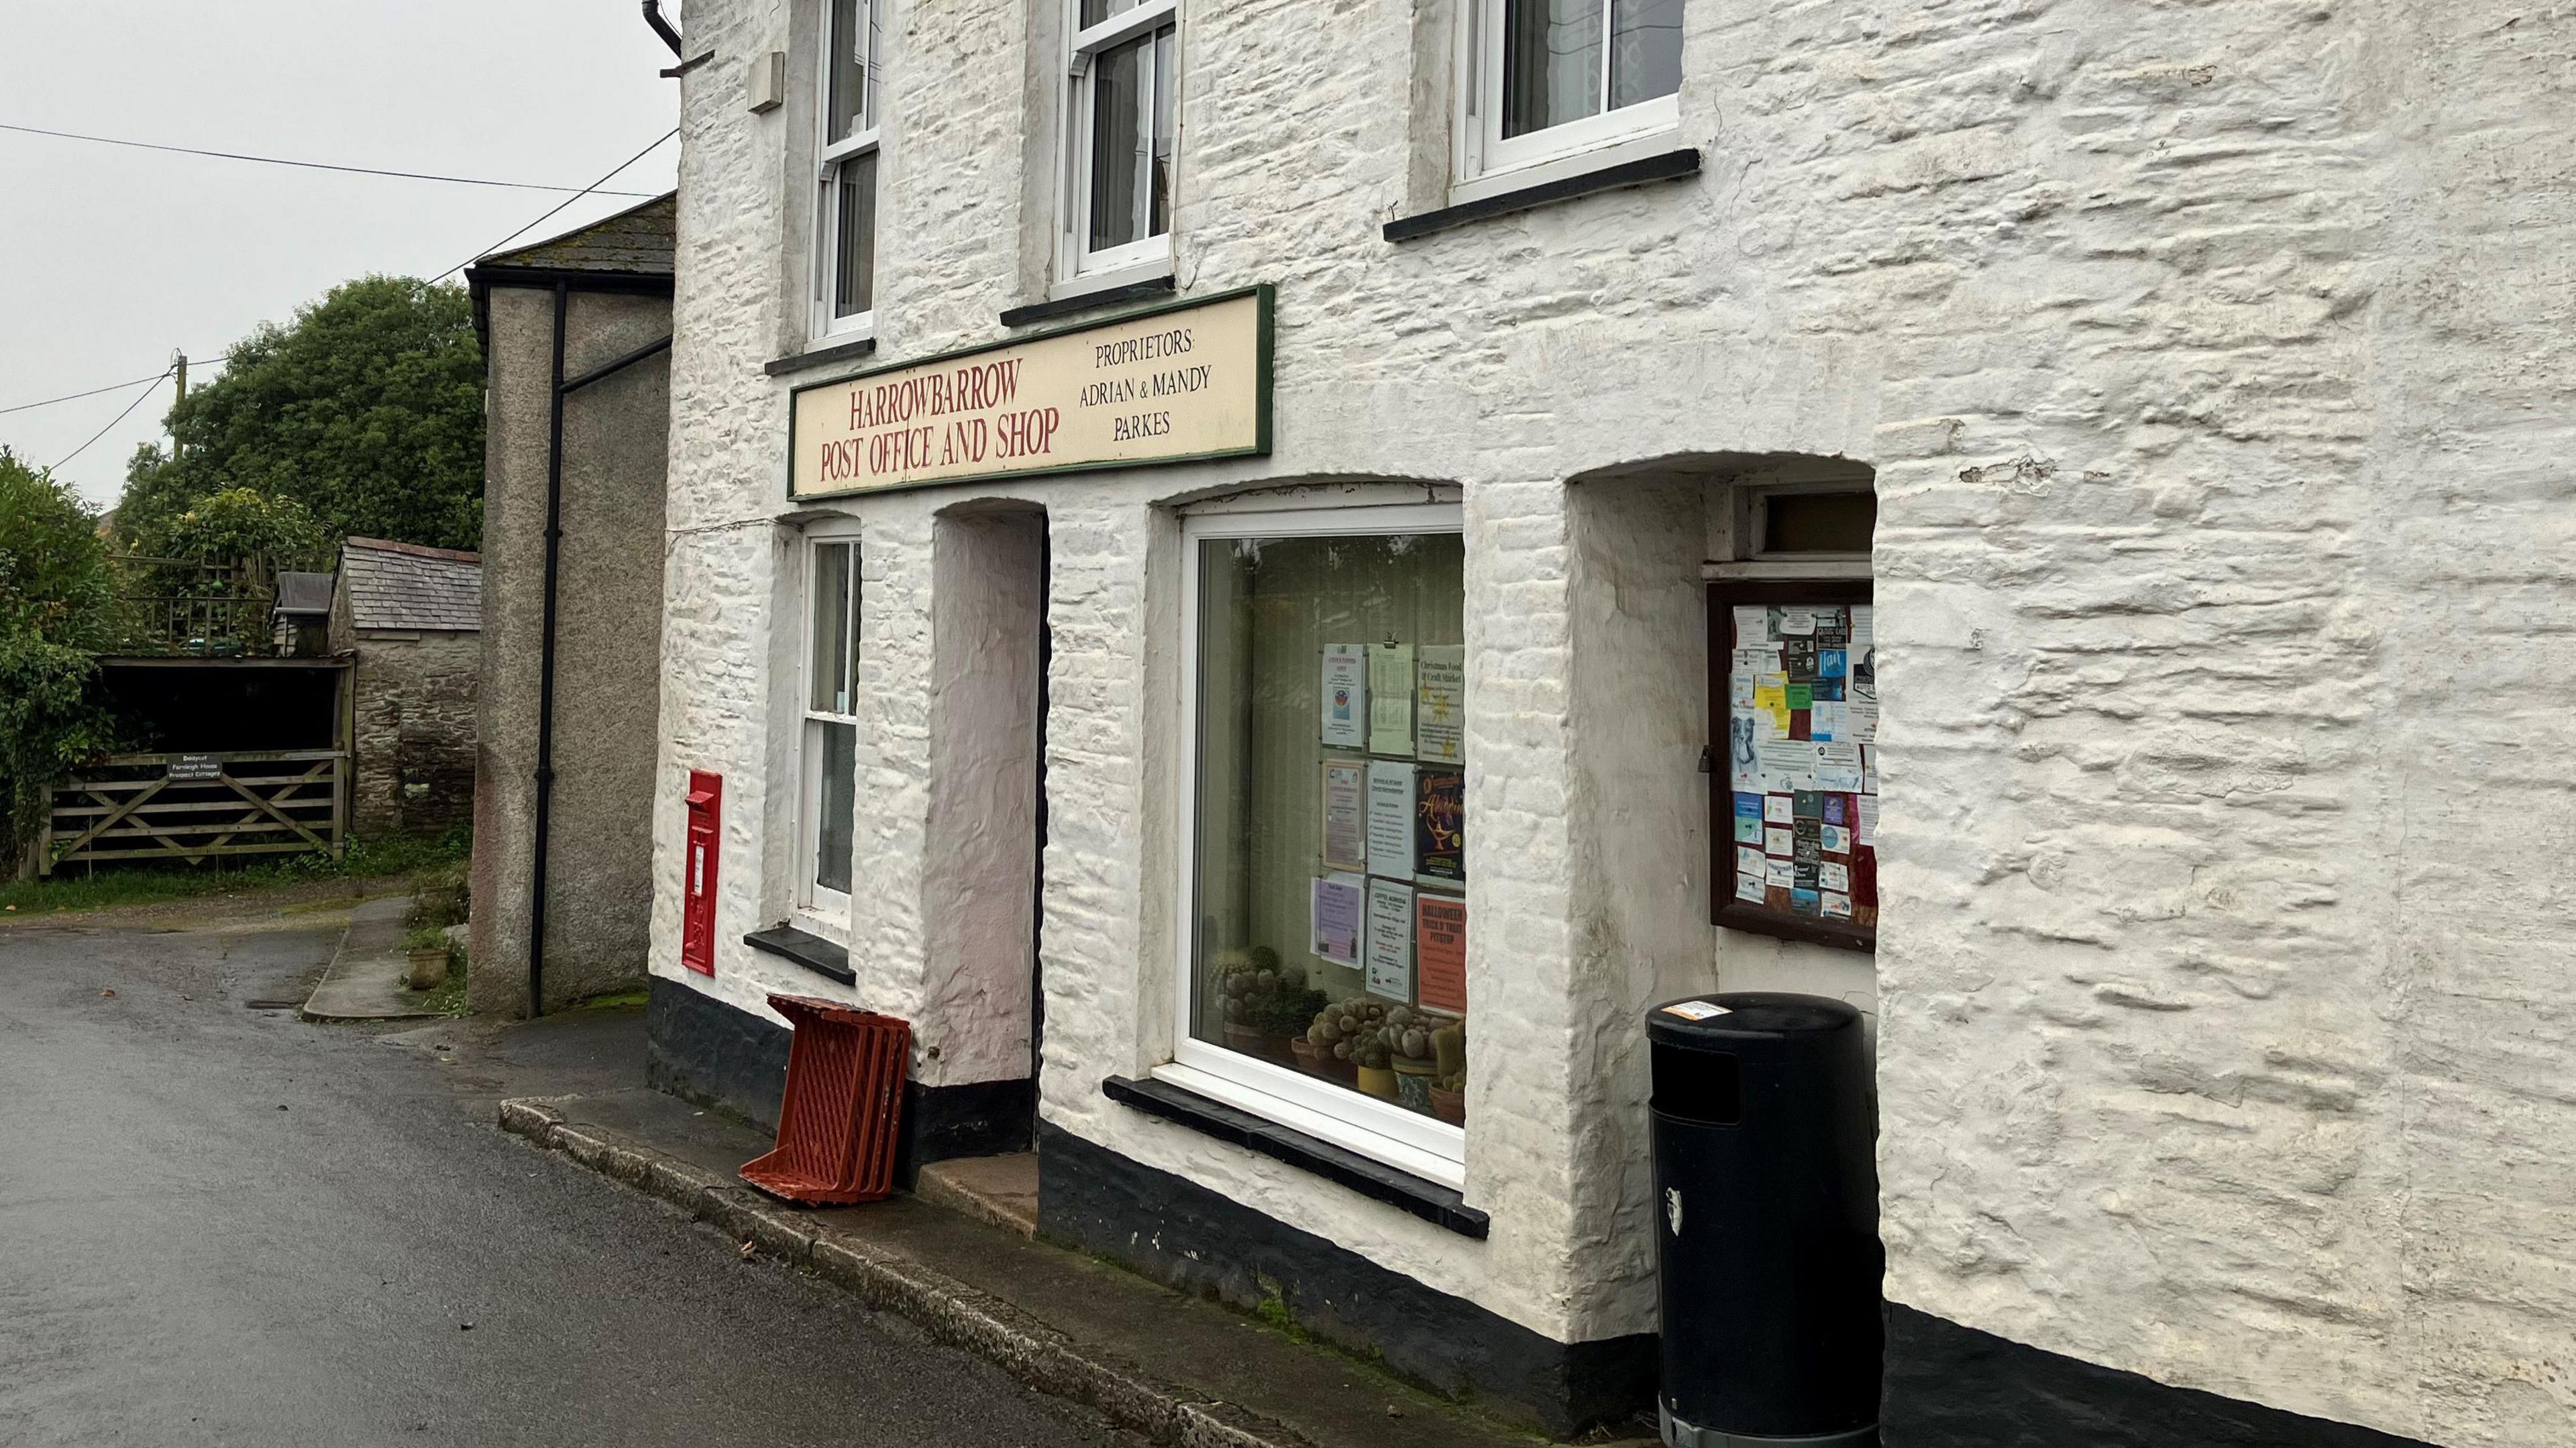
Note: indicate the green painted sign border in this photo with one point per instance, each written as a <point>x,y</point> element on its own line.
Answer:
<point>1265,333</point>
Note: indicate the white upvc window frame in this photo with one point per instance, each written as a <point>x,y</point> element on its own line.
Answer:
<point>1489,162</point>
<point>1408,1141</point>
<point>818,905</point>
<point>830,157</point>
<point>1080,268</point>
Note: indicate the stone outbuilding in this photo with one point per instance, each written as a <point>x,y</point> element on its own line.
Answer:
<point>411,618</point>
<point>576,330</point>
<point>1195,528</point>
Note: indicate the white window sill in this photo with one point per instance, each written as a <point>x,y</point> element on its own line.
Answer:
<point>1450,1172</point>
<point>1496,182</point>
<point>1158,268</point>
<point>814,922</point>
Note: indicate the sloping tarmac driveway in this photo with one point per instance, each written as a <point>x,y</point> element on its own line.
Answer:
<point>226,1225</point>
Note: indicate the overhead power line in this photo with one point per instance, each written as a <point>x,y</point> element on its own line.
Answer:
<point>149,388</point>
<point>309,165</point>
<point>591,189</point>
<point>111,387</point>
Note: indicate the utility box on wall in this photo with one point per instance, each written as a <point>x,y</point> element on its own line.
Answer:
<point>698,897</point>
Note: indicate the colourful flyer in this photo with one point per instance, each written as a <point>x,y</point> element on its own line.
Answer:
<point>1440,952</point>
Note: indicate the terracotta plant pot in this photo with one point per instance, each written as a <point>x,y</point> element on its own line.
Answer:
<point>1378,1081</point>
<point>1245,1039</point>
<point>1303,1051</point>
<point>1449,1106</point>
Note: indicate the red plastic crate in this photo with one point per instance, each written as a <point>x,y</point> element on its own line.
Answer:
<point>844,1107</point>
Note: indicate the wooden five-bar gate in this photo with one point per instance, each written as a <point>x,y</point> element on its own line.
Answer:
<point>195,807</point>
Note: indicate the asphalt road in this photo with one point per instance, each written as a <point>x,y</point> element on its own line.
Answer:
<point>224,1225</point>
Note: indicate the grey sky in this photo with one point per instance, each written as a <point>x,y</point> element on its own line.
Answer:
<point>111,258</point>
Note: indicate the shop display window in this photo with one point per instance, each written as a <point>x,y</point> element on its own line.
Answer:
<point>1328,899</point>
<point>1794,680</point>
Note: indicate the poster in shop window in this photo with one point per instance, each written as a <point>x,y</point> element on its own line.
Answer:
<point>1345,815</point>
<point>1440,952</point>
<point>1390,819</point>
<point>1336,907</point>
<point>1440,703</point>
<point>1345,695</point>
<point>1801,736</point>
<point>1390,695</point>
<point>1390,940</point>
<point>1439,824</point>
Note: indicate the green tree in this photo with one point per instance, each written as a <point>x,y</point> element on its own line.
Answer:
<point>212,572</point>
<point>241,525</point>
<point>367,410</point>
<point>54,612</point>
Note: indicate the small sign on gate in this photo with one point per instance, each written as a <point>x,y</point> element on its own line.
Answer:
<point>185,768</point>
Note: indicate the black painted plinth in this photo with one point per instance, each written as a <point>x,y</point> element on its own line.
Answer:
<point>718,1055</point>
<point>1178,1232</point>
<point>1950,1386</point>
<point>702,1050</point>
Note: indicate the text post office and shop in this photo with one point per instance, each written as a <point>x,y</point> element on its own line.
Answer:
<point>1271,577</point>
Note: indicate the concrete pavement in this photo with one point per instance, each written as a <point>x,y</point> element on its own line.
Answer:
<point>222,1225</point>
<point>366,980</point>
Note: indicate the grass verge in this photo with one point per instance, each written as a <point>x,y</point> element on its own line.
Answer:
<point>142,885</point>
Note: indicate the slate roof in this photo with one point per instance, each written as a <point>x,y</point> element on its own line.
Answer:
<point>404,585</point>
<point>303,593</point>
<point>636,241</point>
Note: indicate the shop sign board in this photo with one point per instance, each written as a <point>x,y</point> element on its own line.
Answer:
<point>1175,383</point>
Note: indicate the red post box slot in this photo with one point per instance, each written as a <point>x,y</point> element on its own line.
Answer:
<point>698,872</point>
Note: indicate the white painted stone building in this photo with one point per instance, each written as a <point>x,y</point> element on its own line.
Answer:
<point>2210,369</point>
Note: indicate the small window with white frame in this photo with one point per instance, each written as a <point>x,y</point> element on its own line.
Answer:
<point>828,733</point>
<point>845,213</point>
<point>1553,79</point>
<point>1121,121</point>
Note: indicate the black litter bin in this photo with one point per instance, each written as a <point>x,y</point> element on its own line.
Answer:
<point>1766,1214</point>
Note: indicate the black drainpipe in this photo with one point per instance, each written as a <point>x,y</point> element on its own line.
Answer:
<point>661,27</point>
<point>545,773</point>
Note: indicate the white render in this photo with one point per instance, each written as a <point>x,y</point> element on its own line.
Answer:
<point>2218,366</point>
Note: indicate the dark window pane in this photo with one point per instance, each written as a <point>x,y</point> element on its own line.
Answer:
<point>1819,522</point>
<point>1095,11</point>
<point>854,289</point>
<point>1118,145</point>
<point>837,747</point>
<point>852,72</point>
<point>834,648</point>
<point>1551,63</point>
<point>1645,50</point>
<point>1160,219</point>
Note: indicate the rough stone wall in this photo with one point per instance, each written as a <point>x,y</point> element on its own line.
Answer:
<point>607,646</point>
<point>413,731</point>
<point>2214,361</point>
